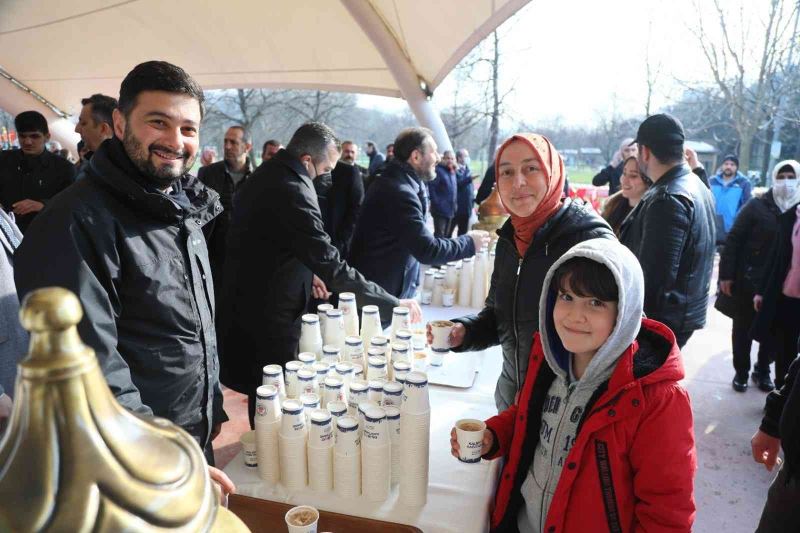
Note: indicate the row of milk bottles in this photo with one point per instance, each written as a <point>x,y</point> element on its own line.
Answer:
<point>465,282</point>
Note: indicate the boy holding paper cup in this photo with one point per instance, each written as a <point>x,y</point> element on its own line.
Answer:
<point>600,437</point>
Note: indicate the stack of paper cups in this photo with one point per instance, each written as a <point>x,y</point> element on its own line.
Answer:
<point>292,383</point>
<point>311,335</point>
<point>337,410</point>
<point>415,431</point>
<point>375,393</point>
<point>310,402</point>
<point>334,391</point>
<point>400,320</point>
<point>377,365</point>
<point>490,266</point>
<point>309,358</point>
<point>427,287</point>
<point>334,333</point>
<point>344,371</point>
<point>322,369</point>
<point>362,409</point>
<point>320,451</point>
<point>353,350</point>
<point>273,375</point>
<point>393,419</point>
<point>401,367</point>
<point>381,342</point>
<point>451,276</point>
<point>406,336</point>
<point>268,425</point>
<point>401,351</point>
<point>438,289</point>
<point>322,312</point>
<point>370,323</point>
<point>465,283</point>
<point>358,371</point>
<point>307,382</point>
<point>376,455</point>
<point>292,445</point>
<point>358,392</point>
<point>392,394</point>
<point>347,303</point>
<point>330,354</point>
<point>347,458</point>
<point>479,280</point>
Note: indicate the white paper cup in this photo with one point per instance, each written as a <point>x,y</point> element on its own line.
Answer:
<point>334,390</point>
<point>347,304</point>
<point>248,441</point>
<point>419,361</point>
<point>448,297</point>
<point>441,333</point>
<point>404,335</point>
<point>400,377</point>
<point>392,394</point>
<point>344,371</point>
<point>322,369</point>
<point>273,375</point>
<point>308,358</point>
<point>302,519</point>
<point>377,367</point>
<point>436,358</point>
<point>358,371</point>
<point>427,297</point>
<point>353,350</point>
<point>470,441</point>
<point>375,393</point>
<point>401,351</point>
<point>310,402</point>
<point>370,323</point>
<point>307,382</point>
<point>293,420</point>
<point>330,354</point>
<point>376,430</point>
<point>400,319</point>
<point>347,439</point>
<point>358,392</point>
<point>267,404</point>
<point>311,335</point>
<point>320,434</point>
<point>267,450</point>
<point>322,313</point>
<point>415,394</point>
<point>393,419</point>
<point>401,366</point>
<point>293,462</point>
<point>337,409</point>
<point>290,371</point>
<point>362,409</point>
<point>334,333</point>
<point>382,342</point>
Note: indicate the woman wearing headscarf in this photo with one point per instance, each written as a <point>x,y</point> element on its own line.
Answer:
<point>542,227</point>
<point>633,185</point>
<point>778,296</point>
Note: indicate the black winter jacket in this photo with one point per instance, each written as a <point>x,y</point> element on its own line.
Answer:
<point>747,246</point>
<point>137,260</point>
<point>671,232</point>
<point>511,314</point>
<point>775,271</point>
<point>610,175</point>
<point>276,240</point>
<point>391,237</point>
<point>341,204</point>
<point>37,178</point>
<point>782,418</point>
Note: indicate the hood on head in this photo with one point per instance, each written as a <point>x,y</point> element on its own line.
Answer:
<point>628,275</point>
<point>791,162</point>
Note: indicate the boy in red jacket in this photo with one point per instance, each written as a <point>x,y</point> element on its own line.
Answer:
<point>600,438</point>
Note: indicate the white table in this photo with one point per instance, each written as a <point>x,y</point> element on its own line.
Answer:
<point>459,494</point>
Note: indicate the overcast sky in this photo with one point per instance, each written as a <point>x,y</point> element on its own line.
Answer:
<point>576,60</point>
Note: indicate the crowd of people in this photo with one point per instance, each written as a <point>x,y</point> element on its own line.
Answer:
<point>191,283</point>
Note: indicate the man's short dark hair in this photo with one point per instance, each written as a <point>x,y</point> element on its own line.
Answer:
<point>668,154</point>
<point>246,137</point>
<point>587,279</point>
<point>410,139</point>
<point>314,139</point>
<point>272,142</point>
<point>157,76</point>
<point>371,144</point>
<point>390,145</point>
<point>347,142</point>
<point>29,121</point>
<point>102,108</point>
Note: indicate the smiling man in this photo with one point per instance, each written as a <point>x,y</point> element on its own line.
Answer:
<point>30,176</point>
<point>128,241</point>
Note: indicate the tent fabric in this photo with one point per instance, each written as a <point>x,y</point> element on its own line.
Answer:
<point>68,50</point>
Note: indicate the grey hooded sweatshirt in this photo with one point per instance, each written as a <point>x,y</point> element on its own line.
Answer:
<point>567,397</point>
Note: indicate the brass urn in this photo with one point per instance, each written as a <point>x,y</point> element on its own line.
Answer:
<point>491,214</point>
<point>72,459</point>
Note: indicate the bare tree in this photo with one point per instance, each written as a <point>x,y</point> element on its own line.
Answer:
<point>745,79</point>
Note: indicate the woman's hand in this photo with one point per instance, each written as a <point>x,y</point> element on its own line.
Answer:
<point>758,301</point>
<point>488,442</point>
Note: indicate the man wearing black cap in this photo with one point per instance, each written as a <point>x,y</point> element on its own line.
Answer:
<point>671,230</point>
<point>29,177</point>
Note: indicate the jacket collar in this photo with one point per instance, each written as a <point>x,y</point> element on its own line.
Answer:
<point>671,175</point>
<point>112,168</point>
<point>286,159</point>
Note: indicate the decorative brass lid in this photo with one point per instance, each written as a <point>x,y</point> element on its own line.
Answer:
<point>74,460</point>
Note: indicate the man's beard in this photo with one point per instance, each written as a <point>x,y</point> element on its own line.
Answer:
<point>426,173</point>
<point>163,177</point>
<point>350,162</point>
<point>728,173</point>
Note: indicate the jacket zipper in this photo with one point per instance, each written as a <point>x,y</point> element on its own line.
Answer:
<point>514,318</point>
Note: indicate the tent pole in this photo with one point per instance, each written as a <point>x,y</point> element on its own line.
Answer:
<point>412,86</point>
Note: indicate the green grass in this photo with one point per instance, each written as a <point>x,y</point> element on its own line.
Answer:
<point>580,175</point>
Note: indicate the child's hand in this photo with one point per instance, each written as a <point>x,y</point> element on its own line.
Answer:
<point>488,442</point>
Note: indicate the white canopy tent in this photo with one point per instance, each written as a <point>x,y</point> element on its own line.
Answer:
<point>52,54</point>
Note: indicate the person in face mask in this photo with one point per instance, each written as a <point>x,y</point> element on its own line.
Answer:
<point>741,272</point>
<point>778,294</point>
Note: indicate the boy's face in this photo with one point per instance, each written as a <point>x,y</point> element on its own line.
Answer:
<point>583,323</point>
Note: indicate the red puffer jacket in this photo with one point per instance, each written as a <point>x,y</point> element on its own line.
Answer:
<point>632,465</point>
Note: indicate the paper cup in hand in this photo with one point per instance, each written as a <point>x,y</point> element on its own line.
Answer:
<point>302,519</point>
<point>469,433</point>
<point>248,441</point>
<point>441,335</point>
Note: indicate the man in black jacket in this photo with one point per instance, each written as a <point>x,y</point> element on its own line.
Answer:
<point>276,240</point>
<point>391,237</point>
<point>29,177</point>
<point>780,428</point>
<point>225,177</point>
<point>127,239</point>
<point>671,230</point>
<point>340,205</point>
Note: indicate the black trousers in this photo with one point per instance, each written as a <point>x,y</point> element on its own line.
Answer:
<point>787,331</point>
<point>281,350</point>
<point>780,513</point>
<point>742,343</point>
<point>442,227</point>
<point>462,222</point>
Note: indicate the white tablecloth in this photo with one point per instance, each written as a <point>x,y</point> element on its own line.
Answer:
<point>459,494</point>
